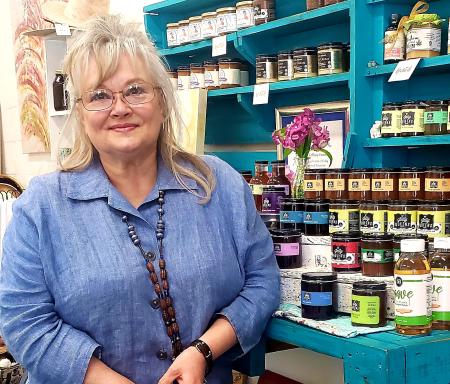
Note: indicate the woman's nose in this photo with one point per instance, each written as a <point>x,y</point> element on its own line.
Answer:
<point>120,107</point>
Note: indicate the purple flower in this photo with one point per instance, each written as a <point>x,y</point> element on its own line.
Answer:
<point>321,137</point>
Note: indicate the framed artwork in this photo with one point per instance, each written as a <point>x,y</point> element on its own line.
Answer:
<point>335,116</point>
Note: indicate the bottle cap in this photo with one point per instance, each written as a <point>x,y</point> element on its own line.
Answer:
<point>442,243</point>
<point>412,245</point>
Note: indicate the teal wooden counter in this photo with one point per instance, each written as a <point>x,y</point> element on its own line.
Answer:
<point>378,358</point>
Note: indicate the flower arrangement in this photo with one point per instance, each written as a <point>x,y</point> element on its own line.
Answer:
<point>302,135</point>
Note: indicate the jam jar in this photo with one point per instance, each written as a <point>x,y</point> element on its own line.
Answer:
<point>209,25</point>
<point>271,197</point>
<point>291,214</point>
<point>316,217</point>
<point>313,184</point>
<point>423,39</point>
<point>391,120</point>
<point>373,216</point>
<point>172,35</point>
<point>211,74</point>
<point>226,20</point>
<point>197,77</point>
<point>287,247</point>
<point>436,117</point>
<point>330,58</point>
<point>266,69</point>
<point>336,184</point>
<point>229,73</point>
<point>259,181</point>
<point>384,184</point>
<point>411,183</point>
<point>195,29</point>
<point>346,251</point>
<point>437,183</point>
<point>406,236</point>
<point>369,304</point>
<point>184,77</point>
<point>244,14</point>
<point>183,32</point>
<point>305,63</point>
<point>402,217</point>
<point>264,11</point>
<point>413,119</point>
<point>318,291</point>
<point>359,184</point>
<point>278,177</point>
<point>433,218</point>
<point>344,216</point>
<point>285,66</point>
<point>377,251</point>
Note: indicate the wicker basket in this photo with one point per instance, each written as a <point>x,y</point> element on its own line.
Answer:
<point>11,375</point>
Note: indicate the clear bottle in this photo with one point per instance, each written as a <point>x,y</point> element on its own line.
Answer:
<point>413,285</point>
<point>259,181</point>
<point>440,269</point>
<point>394,42</point>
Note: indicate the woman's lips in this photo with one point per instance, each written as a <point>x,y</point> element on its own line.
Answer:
<point>123,127</point>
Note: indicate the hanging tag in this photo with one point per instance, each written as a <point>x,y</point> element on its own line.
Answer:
<point>219,46</point>
<point>261,94</point>
<point>62,29</point>
<point>404,70</point>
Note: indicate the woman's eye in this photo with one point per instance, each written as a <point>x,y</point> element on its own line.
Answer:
<point>100,95</point>
<point>135,89</point>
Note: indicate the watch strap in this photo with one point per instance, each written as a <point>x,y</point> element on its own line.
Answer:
<point>204,349</point>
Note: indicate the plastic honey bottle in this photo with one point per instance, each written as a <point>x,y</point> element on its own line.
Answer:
<point>413,285</point>
<point>440,269</point>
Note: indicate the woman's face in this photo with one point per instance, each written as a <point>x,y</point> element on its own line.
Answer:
<point>123,131</point>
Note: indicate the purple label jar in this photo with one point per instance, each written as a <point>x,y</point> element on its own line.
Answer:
<point>287,247</point>
<point>271,199</point>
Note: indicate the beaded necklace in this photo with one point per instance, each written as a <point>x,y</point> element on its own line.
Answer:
<point>161,288</point>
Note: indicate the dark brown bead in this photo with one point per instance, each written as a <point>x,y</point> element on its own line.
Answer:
<point>168,301</point>
<point>165,315</point>
<point>163,274</point>
<point>163,304</point>
<point>169,331</point>
<point>162,264</point>
<point>165,285</point>
<point>157,289</point>
<point>150,267</point>
<point>175,328</point>
<point>171,311</point>
<point>153,277</point>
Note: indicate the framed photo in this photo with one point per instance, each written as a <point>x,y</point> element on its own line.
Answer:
<point>335,116</point>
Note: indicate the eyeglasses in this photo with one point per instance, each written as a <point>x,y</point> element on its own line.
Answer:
<point>102,98</point>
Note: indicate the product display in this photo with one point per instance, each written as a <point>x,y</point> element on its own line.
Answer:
<point>346,248</point>
<point>314,179</point>
<point>244,14</point>
<point>423,38</point>
<point>184,77</point>
<point>305,63</point>
<point>344,216</point>
<point>433,219</point>
<point>402,217</point>
<point>183,32</point>
<point>195,29</point>
<point>330,58</point>
<point>336,181</point>
<point>369,304</point>
<point>211,75</point>
<point>413,119</point>
<point>266,69</point>
<point>437,183</point>
<point>226,20</point>
<point>384,184</point>
<point>394,42</point>
<point>391,120</point>
<point>285,66</point>
<point>317,295</point>
<point>209,25</point>
<point>436,117</point>
<point>359,184</point>
<point>411,184</point>
<point>287,247</point>
<point>316,217</point>
<point>377,250</point>
<point>291,214</point>
<point>373,216</point>
<point>229,73</point>
<point>258,181</point>
<point>172,35</point>
<point>197,76</point>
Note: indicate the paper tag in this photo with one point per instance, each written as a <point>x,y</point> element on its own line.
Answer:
<point>219,46</point>
<point>261,94</point>
<point>404,70</point>
<point>62,29</point>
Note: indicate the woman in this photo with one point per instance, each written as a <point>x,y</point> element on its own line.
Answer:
<point>138,262</point>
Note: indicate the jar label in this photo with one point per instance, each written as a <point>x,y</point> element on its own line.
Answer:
<point>394,46</point>
<point>377,255</point>
<point>409,185</point>
<point>329,61</point>
<point>316,217</point>
<point>441,295</point>
<point>382,185</point>
<point>286,249</point>
<point>396,254</point>
<point>291,217</point>
<point>257,189</point>
<point>436,117</point>
<point>286,69</point>
<point>391,122</point>
<point>402,222</point>
<point>344,220</point>
<point>365,310</point>
<point>413,299</point>
<point>195,31</point>
<point>334,185</point>
<point>244,17</point>
<point>437,185</point>
<point>172,37</point>
<point>211,78</point>
<point>229,76</point>
<point>183,82</point>
<point>197,80</point>
<point>423,39</point>
<point>301,64</point>
<point>358,185</point>
<point>226,23</point>
<point>271,201</point>
<point>346,255</point>
<point>313,185</point>
<point>412,121</point>
<point>431,223</point>
<point>209,27</point>
<point>264,13</point>
<point>266,70</point>
<point>317,299</point>
<point>183,34</point>
<point>373,221</point>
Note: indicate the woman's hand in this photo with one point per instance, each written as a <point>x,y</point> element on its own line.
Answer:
<point>188,368</point>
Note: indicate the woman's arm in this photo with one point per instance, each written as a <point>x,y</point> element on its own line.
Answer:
<point>100,373</point>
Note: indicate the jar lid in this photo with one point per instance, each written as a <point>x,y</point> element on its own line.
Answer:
<point>403,236</point>
<point>345,201</point>
<point>196,65</point>
<point>288,52</point>
<point>359,170</point>
<point>183,22</point>
<point>416,104</point>
<point>378,236</point>
<point>210,62</point>
<point>356,235</point>
<point>244,3</point>
<point>305,50</point>
<point>209,14</point>
<point>183,68</point>
<point>442,243</point>
<point>195,18</point>
<point>278,162</point>
<point>229,60</point>
<point>291,200</point>
<point>402,202</point>
<point>274,188</point>
<point>319,276</point>
<point>317,201</point>
<point>437,102</point>
<point>262,162</point>
<point>171,25</point>
<point>374,170</point>
<point>247,172</point>
<point>337,170</point>
<point>372,285</point>
<point>285,232</point>
<point>265,56</point>
<point>412,245</point>
<point>375,202</point>
<point>437,169</point>
<point>336,44</point>
<point>226,9</point>
<point>411,169</point>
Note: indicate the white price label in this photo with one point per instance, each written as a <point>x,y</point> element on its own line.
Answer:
<point>261,94</point>
<point>219,46</point>
<point>404,70</point>
<point>62,29</point>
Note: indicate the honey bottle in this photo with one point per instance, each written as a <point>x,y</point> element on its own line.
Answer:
<point>440,269</point>
<point>413,285</point>
<point>259,181</point>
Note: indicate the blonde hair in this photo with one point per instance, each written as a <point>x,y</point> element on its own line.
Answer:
<point>106,39</point>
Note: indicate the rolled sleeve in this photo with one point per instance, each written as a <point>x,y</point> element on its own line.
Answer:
<point>52,351</point>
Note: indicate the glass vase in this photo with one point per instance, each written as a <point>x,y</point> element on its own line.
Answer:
<point>298,183</point>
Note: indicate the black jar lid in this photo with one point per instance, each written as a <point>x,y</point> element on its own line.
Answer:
<point>196,65</point>
<point>361,170</point>
<point>345,201</point>
<point>285,53</point>
<point>337,44</point>
<point>246,172</point>
<point>375,202</point>
<point>210,62</point>
<point>355,235</point>
<point>405,236</point>
<point>314,170</point>
<point>266,57</point>
<point>337,170</point>
<point>302,51</point>
<point>411,169</point>
<point>291,200</point>
<point>370,285</point>
<point>262,162</point>
<point>184,68</point>
<point>378,236</point>
<point>317,202</point>
<point>274,188</point>
<point>376,170</point>
<point>437,102</point>
<point>433,202</point>
<point>435,168</point>
<point>229,60</point>
<point>403,202</point>
<point>285,233</point>
<point>326,277</point>
<point>278,162</point>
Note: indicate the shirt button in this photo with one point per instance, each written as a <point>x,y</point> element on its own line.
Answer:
<point>161,354</point>
<point>150,256</point>
<point>154,304</point>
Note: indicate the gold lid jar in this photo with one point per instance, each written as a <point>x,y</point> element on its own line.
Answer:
<point>209,25</point>
<point>197,77</point>
<point>229,73</point>
<point>172,34</point>
<point>211,75</point>
<point>244,14</point>
<point>226,20</point>
<point>195,29</point>
<point>330,57</point>
<point>423,40</point>
<point>183,32</point>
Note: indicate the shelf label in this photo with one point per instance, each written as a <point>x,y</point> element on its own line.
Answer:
<point>261,94</point>
<point>62,29</point>
<point>404,70</point>
<point>219,46</point>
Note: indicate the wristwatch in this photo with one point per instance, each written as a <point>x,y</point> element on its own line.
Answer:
<point>204,349</point>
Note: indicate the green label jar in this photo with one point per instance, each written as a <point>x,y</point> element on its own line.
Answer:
<point>369,304</point>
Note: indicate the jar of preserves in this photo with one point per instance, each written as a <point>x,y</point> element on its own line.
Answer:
<point>346,251</point>
<point>259,181</point>
<point>316,217</point>
<point>344,216</point>
<point>291,214</point>
<point>183,32</point>
<point>359,184</point>
<point>244,81</point>
<point>336,184</point>
<point>287,247</point>
<point>413,119</point>
<point>197,77</point>
<point>402,217</point>
<point>433,218</point>
<point>305,63</point>
<point>407,236</point>
<point>173,75</point>
<point>423,40</point>
<point>229,73</point>
<point>330,58</point>
<point>369,304</point>
<point>264,11</point>
<point>377,251</point>
<point>373,216</point>
<point>437,183</point>
<point>226,20</point>
<point>278,177</point>
<point>318,292</point>
<point>436,117</point>
<point>313,184</point>
<point>384,184</point>
<point>244,14</point>
<point>247,175</point>
<point>313,4</point>
<point>172,34</point>
<point>209,25</point>
<point>271,197</point>
<point>195,29</point>
<point>184,77</point>
<point>266,69</point>
<point>211,75</point>
<point>391,120</point>
<point>285,66</point>
<point>411,184</point>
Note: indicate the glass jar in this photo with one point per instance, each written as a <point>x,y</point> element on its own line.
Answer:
<point>330,2</point>
<point>278,177</point>
<point>407,236</point>
<point>271,197</point>
<point>318,290</point>
<point>359,184</point>
<point>313,4</point>
<point>285,66</point>
<point>60,93</point>
<point>346,251</point>
<point>211,75</point>
<point>195,29</point>
<point>344,216</point>
<point>330,58</point>
<point>437,183</point>
<point>229,73</point>
<point>377,250</point>
<point>291,214</point>
<point>244,14</point>
<point>436,117</point>
<point>411,184</point>
<point>423,40</point>
<point>384,184</point>
<point>183,32</point>
<point>369,304</point>
<point>402,217</point>
<point>373,216</point>
<point>336,184</point>
<point>266,69</point>
<point>197,77</point>
<point>391,120</point>
<point>184,77</point>
<point>209,25</point>
<point>226,20</point>
<point>247,175</point>
<point>259,181</point>
<point>244,81</point>
<point>413,119</point>
<point>433,218</point>
<point>305,63</point>
<point>287,247</point>
<point>264,11</point>
<point>172,34</point>
<point>173,75</point>
<point>316,217</point>
<point>313,184</point>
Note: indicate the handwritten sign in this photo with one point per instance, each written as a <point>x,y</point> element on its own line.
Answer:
<point>219,46</point>
<point>261,94</point>
<point>404,70</point>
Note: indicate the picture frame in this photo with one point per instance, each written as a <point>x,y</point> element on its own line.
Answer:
<point>335,116</point>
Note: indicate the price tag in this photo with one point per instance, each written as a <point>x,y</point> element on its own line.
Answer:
<point>404,70</point>
<point>219,46</point>
<point>261,94</point>
<point>62,29</point>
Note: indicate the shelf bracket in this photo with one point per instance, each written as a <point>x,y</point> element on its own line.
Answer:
<point>264,115</point>
<point>245,49</point>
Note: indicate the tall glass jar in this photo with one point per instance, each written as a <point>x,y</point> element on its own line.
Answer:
<point>278,177</point>
<point>259,181</point>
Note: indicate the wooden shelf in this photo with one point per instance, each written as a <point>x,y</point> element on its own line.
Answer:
<point>193,47</point>
<point>433,64</point>
<point>417,141</point>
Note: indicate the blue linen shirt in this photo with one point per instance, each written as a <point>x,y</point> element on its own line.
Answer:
<point>73,284</point>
